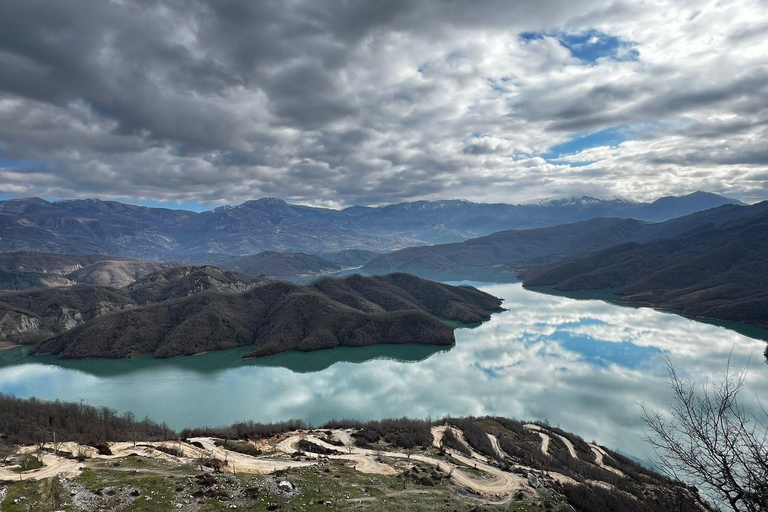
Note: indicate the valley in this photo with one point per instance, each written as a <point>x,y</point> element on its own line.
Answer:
<point>345,338</point>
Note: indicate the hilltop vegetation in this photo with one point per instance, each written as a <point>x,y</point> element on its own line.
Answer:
<point>31,421</point>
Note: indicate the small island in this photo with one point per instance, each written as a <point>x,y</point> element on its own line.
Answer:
<point>271,316</point>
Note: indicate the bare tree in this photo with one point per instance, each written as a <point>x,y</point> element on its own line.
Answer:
<point>710,440</point>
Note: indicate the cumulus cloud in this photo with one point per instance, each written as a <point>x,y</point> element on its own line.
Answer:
<point>370,102</point>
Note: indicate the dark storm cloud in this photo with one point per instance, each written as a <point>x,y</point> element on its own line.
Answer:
<point>371,101</point>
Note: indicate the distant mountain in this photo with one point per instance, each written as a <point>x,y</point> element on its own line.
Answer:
<point>280,316</point>
<point>535,246</point>
<point>92,226</point>
<point>23,270</point>
<point>667,208</point>
<point>280,264</point>
<point>351,258</point>
<point>719,271</point>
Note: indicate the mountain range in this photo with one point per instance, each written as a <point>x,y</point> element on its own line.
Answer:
<point>92,226</point>
<point>527,247</point>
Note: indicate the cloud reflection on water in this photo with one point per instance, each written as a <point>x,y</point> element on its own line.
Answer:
<point>583,365</point>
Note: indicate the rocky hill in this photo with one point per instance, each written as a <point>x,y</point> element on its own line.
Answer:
<point>23,269</point>
<point>279,316</point>
<point>35,315</point>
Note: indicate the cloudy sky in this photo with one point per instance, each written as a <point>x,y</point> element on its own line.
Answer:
<point>337,102</point>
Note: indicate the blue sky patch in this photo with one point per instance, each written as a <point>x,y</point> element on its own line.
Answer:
<point>589,46</point>
<point>581,141</point>
<point>193,206</point>
<point>592,45</point>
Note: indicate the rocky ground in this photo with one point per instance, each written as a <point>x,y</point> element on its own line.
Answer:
<point>305,471</point>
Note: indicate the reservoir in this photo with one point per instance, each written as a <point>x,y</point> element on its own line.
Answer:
<point>584,365</point>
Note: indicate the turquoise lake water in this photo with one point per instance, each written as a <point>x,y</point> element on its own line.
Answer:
<point>585,365</point>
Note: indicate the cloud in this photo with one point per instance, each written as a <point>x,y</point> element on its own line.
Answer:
<point>374,102</point>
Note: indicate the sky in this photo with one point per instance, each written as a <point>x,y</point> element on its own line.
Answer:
<point>199,103</point>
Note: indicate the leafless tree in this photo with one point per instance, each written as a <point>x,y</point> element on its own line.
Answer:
<point>709,439</point>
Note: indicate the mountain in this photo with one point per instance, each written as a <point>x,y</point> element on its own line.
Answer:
<point>671,207</point>
<point>535,246</point>
<point>281,316</point>
<point>718,272</point>
<point>92,226</point>
<point>180,282</point>
<point>351,258</point>
<point>280,264</point>
<point>22,270</point>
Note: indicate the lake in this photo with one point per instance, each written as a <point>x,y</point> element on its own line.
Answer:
<point>583,365</point>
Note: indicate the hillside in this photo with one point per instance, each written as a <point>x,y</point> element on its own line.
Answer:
<point>177,282</point>
<point>38,314</point>
<point>280,264</point>
<point>34,315</point>
<point>719,273</point>
<point>278,316</point>
<point>535,246</point>
<point>92,226</point>
<point>460,464</point>
<point>23,269</point>
<point>351,257</point>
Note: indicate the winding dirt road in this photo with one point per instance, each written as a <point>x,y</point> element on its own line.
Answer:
<point>544,437</point>
<point>600,460</point>
<point>494,485</point>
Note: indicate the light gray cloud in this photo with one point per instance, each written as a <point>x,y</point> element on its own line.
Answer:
<point>374,102</point>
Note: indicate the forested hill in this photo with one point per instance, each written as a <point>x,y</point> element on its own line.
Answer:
<point>717,271</point>
<point>277,316</point>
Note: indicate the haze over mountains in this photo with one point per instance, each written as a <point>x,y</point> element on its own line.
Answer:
<point>534,246</point>
<point>92,226</point>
